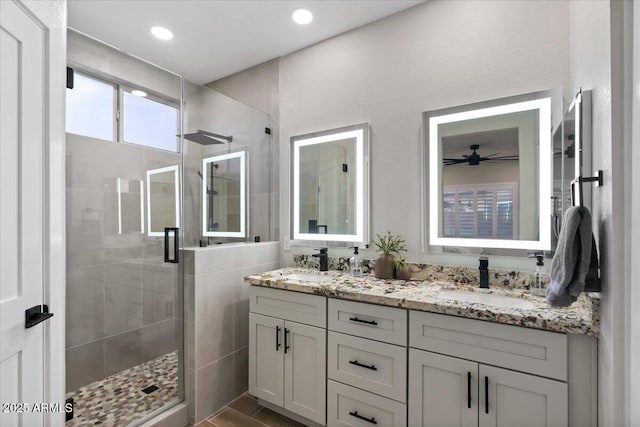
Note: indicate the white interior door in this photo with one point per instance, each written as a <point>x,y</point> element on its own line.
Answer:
<point>25,134</point>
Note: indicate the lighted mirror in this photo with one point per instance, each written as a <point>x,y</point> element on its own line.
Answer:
<point>163,196</point>
<point>329,198</point>
<point>489,174</point>
<point>224,195</point>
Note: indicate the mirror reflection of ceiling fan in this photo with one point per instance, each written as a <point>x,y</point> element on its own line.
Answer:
<point>474,158</point>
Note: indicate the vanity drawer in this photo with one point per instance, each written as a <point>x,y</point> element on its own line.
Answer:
<point>349,406</point>
<point>513,347</point>
<point>376,322</point>
<point>295,306</point>
<point>370,365</point>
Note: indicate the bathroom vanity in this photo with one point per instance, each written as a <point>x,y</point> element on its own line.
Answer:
<point>341,351</point>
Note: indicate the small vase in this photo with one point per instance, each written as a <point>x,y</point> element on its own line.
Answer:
<point>384,267</point>
<point>404,274</point>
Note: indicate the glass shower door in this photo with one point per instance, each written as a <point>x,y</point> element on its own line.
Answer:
<point>124,301</point>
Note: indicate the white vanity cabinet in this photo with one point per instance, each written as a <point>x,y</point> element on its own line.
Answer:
<point>457,374</point>
<point>287,351</point>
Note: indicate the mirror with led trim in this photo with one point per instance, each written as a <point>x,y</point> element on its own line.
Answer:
<point>224,195</point>
<point>489,174</point>
<point>329,197</point>
<point>163,199</point>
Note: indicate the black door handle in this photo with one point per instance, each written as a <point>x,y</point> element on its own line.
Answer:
<point>371,420</point>
<point>286,340</point>
<point>176,244</point>
<point>355,362</point>
<point>36,314</point>
<point>278,338</point>
<point>486,395</point>
<point>368,322</point>
<point>469,390</point>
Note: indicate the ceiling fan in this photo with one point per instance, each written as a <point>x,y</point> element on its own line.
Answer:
<point>474,158</point>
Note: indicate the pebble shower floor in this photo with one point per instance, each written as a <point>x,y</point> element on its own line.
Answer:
<point>118,400</point>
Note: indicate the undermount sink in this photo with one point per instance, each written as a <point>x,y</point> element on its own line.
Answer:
<point>307,277</point>
<point>487,299</point>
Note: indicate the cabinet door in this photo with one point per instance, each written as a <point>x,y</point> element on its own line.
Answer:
<point>305,372</point>
<point>516,399</point>
<point>443,390</point>
<point>266,358</point>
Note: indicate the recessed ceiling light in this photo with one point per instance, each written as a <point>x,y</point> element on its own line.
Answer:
<point>302,16</point>
<point>139,93</point>
<point>162,33</point>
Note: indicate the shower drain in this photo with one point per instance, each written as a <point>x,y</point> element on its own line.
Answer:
<point>150,389</point>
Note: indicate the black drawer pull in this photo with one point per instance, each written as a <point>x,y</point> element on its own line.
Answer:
<point>368,322</point>
<point>355,362</point>
<point>486,395</point>
<point>286,340</point>
<point>278,338</point>
<point>369,420</point>
<point>469,390</point>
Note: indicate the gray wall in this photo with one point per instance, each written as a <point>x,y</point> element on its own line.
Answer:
<point>435,55</point>
<point>217,314</point>
<point>591,68</point>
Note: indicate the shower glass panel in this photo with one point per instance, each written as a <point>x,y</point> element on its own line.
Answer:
<point>229,170</point>
<point>124,322</point>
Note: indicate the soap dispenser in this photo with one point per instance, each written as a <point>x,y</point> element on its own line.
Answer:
<point>355,264</point>
<point>541,278</point>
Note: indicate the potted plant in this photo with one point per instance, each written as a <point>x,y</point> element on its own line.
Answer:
<point>388,245</point>
<point>401,268</point>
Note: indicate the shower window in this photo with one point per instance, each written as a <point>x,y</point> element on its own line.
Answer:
<point>95,106</point>
<point>149,122</point>
<point>91,106</point>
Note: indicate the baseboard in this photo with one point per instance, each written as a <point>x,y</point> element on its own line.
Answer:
<point>289,414</point>
<point>172,417</point>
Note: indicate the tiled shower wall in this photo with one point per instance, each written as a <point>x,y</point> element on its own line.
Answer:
<point>217,314</point>
<point>121,296</point>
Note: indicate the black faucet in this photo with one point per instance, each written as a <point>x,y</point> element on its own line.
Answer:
<point>324,259</point>
<point>484,272</point>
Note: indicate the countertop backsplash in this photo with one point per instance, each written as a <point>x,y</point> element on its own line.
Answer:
<point>442,273</point>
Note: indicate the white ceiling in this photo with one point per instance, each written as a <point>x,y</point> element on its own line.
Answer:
<point>216,38</point>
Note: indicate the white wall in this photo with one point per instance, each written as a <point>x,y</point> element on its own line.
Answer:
<point>591,68</point>
<point>634,220</point>
<point>435,55</point>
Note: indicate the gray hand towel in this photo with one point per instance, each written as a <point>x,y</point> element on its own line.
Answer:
<point>570,264</point>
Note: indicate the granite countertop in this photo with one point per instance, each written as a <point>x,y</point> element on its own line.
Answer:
<point>580,318</point>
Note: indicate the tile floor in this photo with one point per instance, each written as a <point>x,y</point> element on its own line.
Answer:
<point>119,400</point>
<point>246,412</point>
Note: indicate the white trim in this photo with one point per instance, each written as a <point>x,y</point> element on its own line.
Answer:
<point>543,105</point>
<point>632,244</point>
<point>175,169</point>
<point>53,17</point>
<point>243,195</point>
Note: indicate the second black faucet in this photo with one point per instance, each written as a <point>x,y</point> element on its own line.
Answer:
<point>323,257</point>
<point>484,272</point>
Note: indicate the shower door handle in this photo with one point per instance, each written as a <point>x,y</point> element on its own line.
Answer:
<point>176,244</point>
